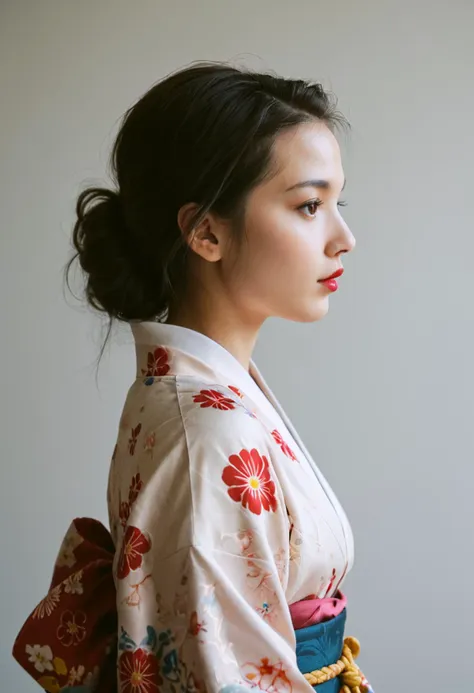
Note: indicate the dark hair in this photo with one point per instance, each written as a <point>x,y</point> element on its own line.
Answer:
<point>204,135</point>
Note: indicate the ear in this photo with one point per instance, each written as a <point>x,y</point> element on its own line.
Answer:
<point>207,239</point>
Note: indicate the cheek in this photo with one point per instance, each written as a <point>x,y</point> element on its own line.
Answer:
<point>293,251</point>
<point>279,254</point>
<point>281,241</point>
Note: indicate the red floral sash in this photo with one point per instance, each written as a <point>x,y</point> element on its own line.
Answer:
<point>70,639</point>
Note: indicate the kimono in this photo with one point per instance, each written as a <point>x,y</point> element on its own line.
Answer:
<point>220,522</point>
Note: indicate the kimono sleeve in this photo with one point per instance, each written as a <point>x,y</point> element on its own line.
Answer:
<point>203,569</point>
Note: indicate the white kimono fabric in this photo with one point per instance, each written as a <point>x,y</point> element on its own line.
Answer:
<point>220,519</point>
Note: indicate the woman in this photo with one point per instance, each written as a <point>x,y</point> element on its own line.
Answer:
<point>229,549</point>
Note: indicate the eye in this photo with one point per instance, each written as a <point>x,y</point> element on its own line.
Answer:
<point>311,206</point>
<point>342,203</point>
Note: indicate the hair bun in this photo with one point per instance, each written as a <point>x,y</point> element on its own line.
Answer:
<point>115,282</point>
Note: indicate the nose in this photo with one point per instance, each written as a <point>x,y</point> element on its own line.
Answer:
<point>342,241</point>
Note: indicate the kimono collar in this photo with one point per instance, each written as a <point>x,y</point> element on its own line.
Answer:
<point>187,352</point>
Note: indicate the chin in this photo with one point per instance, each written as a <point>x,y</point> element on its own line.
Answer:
<point>312,312</point>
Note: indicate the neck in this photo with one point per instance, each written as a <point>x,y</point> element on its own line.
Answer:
<point>223,326</point>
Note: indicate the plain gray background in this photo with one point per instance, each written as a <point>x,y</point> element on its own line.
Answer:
<point>381,390</point>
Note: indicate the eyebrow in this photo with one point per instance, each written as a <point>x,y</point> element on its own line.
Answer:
<point>314,183</point>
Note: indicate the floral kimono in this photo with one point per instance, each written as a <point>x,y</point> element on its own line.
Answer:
<point>220,522</point>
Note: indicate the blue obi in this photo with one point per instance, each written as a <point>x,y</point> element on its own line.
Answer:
<point>319,646</point>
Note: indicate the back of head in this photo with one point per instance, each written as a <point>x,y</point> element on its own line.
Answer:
<point>202,135</point>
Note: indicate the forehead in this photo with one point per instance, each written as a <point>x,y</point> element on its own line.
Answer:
<point>309,150</point>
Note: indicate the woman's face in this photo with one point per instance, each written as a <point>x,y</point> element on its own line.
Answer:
<point>295,235</point>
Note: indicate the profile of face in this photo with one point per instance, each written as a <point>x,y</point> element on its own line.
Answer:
<point>294,238</point>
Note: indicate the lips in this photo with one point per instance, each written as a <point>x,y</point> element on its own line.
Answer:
<point>336,274</point>
<point>331,282</point>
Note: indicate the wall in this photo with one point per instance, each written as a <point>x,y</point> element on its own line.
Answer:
<point>381,390</point>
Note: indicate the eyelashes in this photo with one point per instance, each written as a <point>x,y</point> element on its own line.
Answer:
<point>311,204</point>
<point>314,204</point>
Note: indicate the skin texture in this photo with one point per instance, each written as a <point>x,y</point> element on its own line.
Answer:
<point>286,249</point>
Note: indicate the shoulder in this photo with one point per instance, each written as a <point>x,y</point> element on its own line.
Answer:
<point>204,463</point>
<point>187,421</point>
<point>215,412</point>
<point>189,402</point>
<point>176,425</point>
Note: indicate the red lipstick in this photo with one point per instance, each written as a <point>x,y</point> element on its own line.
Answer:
<point>331,282</point>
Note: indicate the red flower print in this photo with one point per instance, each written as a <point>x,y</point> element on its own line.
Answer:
<point>126,506</point>
<point>157,363</point>
<point>215,399</point>
<point>236,390</point>
<point>268,677</point>
<point>71,629</point>
<point>139,672</point>
<point>284,446</point>
<point>132,441</point>
<point>195,627</point>
<point>135,544</point>
<point>124,513</point>
<point>249,481</point>
<point>135,487</point>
